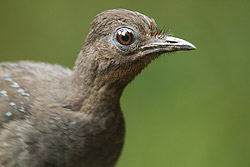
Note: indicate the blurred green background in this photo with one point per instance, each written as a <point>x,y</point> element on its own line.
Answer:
<point>187,109</point>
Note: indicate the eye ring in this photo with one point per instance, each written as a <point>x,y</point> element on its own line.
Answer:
<point>125,37</point>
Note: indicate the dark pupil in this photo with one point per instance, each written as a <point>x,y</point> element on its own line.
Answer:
<point>125,38</point>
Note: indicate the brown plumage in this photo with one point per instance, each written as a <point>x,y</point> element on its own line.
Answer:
<point>54,117</point>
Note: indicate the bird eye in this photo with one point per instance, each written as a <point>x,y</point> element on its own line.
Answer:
<point>125,37</point>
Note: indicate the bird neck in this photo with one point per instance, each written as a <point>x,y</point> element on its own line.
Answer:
<point>91,86</point>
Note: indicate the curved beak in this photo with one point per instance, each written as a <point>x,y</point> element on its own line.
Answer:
<point>168,44</point>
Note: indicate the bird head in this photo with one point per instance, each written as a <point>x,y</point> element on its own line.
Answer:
<point>121,43</point>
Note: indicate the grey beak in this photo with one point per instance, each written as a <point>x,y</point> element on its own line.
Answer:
<point>169,44</point>
<point>174,44</point>
<point>179,44</point>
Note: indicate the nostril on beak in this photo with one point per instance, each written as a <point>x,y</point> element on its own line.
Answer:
<point>171,41</point>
